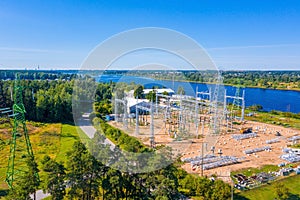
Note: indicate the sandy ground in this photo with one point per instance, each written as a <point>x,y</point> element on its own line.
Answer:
<point>232,147</point>
<point>191,147</point>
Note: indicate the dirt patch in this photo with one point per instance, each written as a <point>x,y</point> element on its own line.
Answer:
<point>192,147</point>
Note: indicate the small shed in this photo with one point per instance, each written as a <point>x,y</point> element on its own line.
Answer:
<point>109,117</point>
<point>284,172</point>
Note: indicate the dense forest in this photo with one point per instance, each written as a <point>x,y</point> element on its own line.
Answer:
<point>45,101</point>
<point>51,100</point>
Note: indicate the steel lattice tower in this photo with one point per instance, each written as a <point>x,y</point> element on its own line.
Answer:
<point>238,101</point>
<point>20,146</point>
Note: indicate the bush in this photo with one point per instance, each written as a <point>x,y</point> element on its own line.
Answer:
<point>118,137</point>
<point>274,112</point>
<point>255,107</point>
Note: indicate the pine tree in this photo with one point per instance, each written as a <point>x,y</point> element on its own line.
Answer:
<point>54,183</point>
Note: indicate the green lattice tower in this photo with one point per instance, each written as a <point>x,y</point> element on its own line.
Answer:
<point>20,146</point>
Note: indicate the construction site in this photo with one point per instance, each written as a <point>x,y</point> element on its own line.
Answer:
<point>208,131</point>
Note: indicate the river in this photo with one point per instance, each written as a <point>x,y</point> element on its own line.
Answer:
<point>281,100</point>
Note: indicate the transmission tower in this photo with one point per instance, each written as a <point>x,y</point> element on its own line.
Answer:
<point>216,106</point>
<point>236,101</point>
<point>20,146</point>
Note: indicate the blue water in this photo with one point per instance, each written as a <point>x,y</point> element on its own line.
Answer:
<point>281,100</point>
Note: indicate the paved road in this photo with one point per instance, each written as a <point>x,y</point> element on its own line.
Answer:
<point>85,124</point>
<point>40,195</point>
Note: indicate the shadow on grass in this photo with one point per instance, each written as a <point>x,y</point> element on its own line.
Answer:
<point>293,197</point>
<point>239,197</point>
<point>68,135</point>
<point>68,123</point>
<point>3,193</point>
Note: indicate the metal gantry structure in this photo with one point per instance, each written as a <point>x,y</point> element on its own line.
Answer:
<point>151,112</point>
<point>183,119</point>
<point>168,118</point>
<point>180,119</point>
<point>20,146</point>
<point>239,103</point>
<point>125,114</point>
<point>205,97</point>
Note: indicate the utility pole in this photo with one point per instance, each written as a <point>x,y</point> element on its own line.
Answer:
<point>125,115</point>
<point>202,130</point>
<point>150,110</point>
<point>152,142</point>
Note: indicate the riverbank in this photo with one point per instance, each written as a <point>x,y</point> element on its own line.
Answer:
<point>226,84</point>
<point>285,99</point>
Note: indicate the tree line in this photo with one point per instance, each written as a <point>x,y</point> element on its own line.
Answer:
<point>51,100</point>
<point>38,74</point>
<point>84,176</point>
<point>262,79</point>
<point>44,101</point>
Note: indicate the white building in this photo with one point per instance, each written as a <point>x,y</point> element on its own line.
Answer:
<point>147,91</point>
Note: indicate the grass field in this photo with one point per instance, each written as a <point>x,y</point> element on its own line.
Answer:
<point>251,171</point>
<point>69,134</point>
<point>267,192</point>
<point>276,118</point>
<point>54,140</point>
<point>297,146</point>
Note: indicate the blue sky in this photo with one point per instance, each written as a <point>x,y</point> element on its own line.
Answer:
<point>237,34</point>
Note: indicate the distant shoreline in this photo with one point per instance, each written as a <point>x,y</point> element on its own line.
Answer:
<point>284,89</point>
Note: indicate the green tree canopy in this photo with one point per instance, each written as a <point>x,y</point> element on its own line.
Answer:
<point>180,90</point>
<point>151,96</point>
<point>54,183</point>
<point>281,191</point>
<point>139,92</point>
<point>255,107</point>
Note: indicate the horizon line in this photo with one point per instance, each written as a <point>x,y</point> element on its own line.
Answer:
<point>41,70</point>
